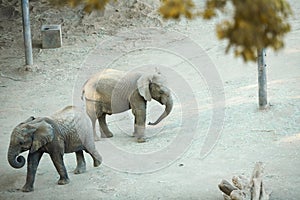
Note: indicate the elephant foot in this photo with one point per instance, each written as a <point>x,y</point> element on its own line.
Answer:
<point>141,140</point>
<point>97,163</point>
<point>80,170</point>
<point>27,188</point>
<point>97,138</point>
<point>139,137</point>
<point>107,135</point>
<point>139,131</point>
<point>63,181</point>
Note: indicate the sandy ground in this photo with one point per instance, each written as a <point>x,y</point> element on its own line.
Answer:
<point>215,130</point>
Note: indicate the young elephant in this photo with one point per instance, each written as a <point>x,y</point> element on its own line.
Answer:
<point>68,130</point>
<point>112,91</point>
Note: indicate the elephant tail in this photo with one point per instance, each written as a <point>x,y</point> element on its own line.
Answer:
<point>84,98</point>
<point>82,94</point>
<point>83,90</point>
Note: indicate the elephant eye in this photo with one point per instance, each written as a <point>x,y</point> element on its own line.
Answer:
<point>21,143</point>
<point>161,92</point>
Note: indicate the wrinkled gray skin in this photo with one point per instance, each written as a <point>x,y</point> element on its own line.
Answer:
<point>112,91</point>
<point>68,130</point>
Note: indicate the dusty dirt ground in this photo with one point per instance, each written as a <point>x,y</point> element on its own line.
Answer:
<point>170,164</point>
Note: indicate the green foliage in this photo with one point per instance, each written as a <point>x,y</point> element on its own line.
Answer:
<point>255,24</point>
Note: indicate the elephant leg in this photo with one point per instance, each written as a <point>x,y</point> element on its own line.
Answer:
<point>95,155</point>
<point>33,160</point>
<point>139,124</point>
<point>57,159</point>
<point>81,166</point>
<point>105,132</point>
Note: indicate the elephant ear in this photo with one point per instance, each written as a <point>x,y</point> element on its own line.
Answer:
<point>159,78</point>
<point>143,84</point>
<point>31,118</point>
<point>43,134</point>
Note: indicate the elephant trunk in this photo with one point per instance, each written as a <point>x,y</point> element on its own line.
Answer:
<point>14,159</point>
<point>168,109</point>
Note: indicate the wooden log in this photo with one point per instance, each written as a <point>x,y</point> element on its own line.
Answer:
<point>264,195</point>
<point>255,188</point>
<point>241,182</point>
<point>257,171</point>
<point>256,184</point>
<point>243,189</point>
<point>226,187</point>
<point>226,197</point>
<point>239,195</point>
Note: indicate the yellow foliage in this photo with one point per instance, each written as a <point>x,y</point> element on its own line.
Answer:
<point>255,24</point>
<point>211,6</point>
<point>89,5</point>
<point>175,8</point>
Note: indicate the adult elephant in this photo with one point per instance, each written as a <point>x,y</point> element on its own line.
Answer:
<point>112,91</point>
<point>68,130</point>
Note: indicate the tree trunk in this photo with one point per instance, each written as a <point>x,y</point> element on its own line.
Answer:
<point>27,32</point>
<point>262,79</point>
